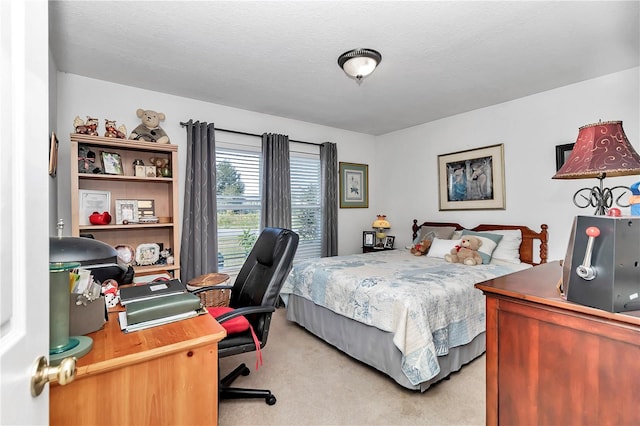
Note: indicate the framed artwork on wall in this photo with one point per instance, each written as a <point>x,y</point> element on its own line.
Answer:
<point>53,155</point>
<point>354,185</point>
<point>562,154</point>
<point>472,179</point>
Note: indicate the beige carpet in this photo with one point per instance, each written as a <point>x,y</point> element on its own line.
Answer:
<point>316,384</point>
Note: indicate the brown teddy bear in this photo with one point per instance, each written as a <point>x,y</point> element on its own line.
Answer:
<point>421,248</point>
<point>467,252</point>
<point>162,166</point>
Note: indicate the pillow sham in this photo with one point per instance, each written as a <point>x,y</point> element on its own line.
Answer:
<point>456,235</point>
<point>508,248</point>
<point>440,247</point>
<point>442,232</point>
<point>489,243</point>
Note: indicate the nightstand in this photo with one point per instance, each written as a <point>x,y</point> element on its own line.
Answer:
<point>371,249</point>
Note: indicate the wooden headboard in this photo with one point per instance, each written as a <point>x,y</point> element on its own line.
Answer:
<point>529,236</point>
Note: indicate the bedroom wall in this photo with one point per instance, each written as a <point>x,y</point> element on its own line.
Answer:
<point>529,128</point>
<point>83,96</point>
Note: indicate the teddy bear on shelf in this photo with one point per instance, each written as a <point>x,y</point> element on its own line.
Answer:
<point>421,248</point>
<point>162,166</point>
<point>149,130</point>
<point>467,252</point>
<point>112,132</point>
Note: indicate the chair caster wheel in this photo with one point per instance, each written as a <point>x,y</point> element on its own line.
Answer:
<point>245,371</point>
<point>270,400</point>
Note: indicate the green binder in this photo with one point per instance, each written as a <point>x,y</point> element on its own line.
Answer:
<point>161,307</point>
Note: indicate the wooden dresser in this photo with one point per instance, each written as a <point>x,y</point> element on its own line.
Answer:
<point>166,375</point>
<point>553,362</point>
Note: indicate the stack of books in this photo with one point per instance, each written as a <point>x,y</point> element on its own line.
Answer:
<point>156,303</point>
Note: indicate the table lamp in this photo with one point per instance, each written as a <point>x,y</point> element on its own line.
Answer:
<point>380,224</point>
<point>60,344</point>
<point>602,149</point>
<point>65,254</point>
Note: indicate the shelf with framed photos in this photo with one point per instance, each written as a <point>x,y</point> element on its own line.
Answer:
<point>121,186</point>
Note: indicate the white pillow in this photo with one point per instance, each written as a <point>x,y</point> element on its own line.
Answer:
<point>440,247</point>
<point>508,248</point>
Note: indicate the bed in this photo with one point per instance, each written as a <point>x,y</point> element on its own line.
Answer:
<point>417,319</point>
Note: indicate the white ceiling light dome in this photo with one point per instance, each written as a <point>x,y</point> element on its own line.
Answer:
<point>359,63</point>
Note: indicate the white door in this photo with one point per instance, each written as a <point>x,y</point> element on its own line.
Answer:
<point>24,207</point>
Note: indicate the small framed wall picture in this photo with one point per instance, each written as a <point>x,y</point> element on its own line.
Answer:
<point>127,212</point>
<point>354,185</point>
<point>388,242</point>
<point>562,154</point>
<point>111,163</point>
<point>53,155</point>
<point>368,238</point>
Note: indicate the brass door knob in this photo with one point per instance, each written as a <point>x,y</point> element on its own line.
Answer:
<point>63,373</point>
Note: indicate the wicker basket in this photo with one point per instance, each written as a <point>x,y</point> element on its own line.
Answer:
<point>211,298</point>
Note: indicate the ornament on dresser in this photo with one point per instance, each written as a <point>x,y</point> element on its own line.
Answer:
<point>112,132</point>
<point>87,160</point>
<point>89,127</point>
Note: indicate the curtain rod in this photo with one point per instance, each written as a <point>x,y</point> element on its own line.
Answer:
<point>237,132</point>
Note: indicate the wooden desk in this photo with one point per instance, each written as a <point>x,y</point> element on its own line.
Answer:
<point>553,362</point>
<point>166,375</point>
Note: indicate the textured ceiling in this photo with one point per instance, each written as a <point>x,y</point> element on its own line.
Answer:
<point>280,58</point>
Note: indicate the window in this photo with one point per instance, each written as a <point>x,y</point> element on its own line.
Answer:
<point>238,169</point>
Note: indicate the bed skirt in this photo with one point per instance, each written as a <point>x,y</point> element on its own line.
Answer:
<point>371,345</point>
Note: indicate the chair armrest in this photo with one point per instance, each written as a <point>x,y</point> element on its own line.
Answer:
<point>211,287</point>
<point>245,311</point>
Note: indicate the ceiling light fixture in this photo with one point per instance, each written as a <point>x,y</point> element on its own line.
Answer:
<point>359,63</point>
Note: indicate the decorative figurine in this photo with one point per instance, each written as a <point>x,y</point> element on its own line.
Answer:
<point>112,132</point>
<point>90,127</point>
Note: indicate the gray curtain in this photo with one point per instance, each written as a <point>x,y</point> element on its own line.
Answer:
<point>199,248</point>
<point>329,198</point>
<point>276,182</point>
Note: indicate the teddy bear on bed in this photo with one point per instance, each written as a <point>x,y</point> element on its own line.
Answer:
<point>149,130</point>
<point>421,248</point>
<point>467,252</point>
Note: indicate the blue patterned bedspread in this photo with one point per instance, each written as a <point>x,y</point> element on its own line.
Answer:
<point>428,304</point>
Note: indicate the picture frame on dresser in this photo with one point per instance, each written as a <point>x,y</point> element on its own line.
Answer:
<point>388,242</point>
<point>368,238</point>
<point>111,163</point>
<point>90,201</point>
<point>127,212</point>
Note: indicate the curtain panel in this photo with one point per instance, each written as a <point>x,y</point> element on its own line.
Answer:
<point>276,182</point>
<point>199,244</point>
<point>329,199</point>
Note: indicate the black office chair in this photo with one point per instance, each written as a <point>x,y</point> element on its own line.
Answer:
<point>255,295</point>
